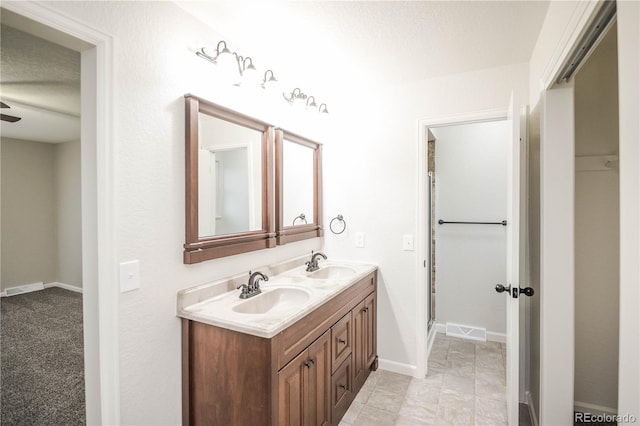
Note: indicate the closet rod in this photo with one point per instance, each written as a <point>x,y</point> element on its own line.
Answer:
<point>503,223</point>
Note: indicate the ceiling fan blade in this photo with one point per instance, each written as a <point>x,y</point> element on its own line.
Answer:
<point>9,118</point>
<point>4,105</point>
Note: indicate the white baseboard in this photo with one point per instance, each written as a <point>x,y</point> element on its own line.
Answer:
<point>496,337</point>
<point>532,411</point>
<point>36,287</point>
<point>492,336</point>
<point>397,367</point>
<point>21,289</point>
<point>64,286</point>
<point>585,407</point>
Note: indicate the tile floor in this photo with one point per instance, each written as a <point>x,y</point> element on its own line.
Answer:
<point>465,386</point>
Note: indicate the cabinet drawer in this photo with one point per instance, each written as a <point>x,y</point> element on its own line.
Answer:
<point>341,391</point>
<point>341,341</point>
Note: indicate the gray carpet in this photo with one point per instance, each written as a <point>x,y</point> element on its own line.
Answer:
<point>42,364</point>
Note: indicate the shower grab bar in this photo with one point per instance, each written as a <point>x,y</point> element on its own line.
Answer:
<point>503,223</point>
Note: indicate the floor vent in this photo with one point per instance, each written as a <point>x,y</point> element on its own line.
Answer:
<point>467,332</point>
<point>23,289</point>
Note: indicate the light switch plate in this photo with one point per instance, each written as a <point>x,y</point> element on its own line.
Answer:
<point>407,242</point>
<point>360,239</point>
<point>129,276</point>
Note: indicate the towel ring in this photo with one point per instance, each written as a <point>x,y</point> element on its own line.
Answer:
<point>339,218</point>
<point>302,217</point>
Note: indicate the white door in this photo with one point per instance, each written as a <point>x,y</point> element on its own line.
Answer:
<point>513,260</point>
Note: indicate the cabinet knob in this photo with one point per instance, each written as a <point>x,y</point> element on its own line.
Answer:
<point>342,386</point>
<point>365,309</point>
<point>309,363</point>
<point>342,341</point>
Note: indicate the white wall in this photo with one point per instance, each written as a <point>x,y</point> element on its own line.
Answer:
<point>29,231</point>
<point>378,194</point>
<point>68,213</point>
<point>41,235</point>
<point>471,259</point>
<point>155,65</point>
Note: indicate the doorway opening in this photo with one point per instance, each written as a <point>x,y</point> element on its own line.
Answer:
<point>468,202</point>
<point>597,230</point>
<point>99,295</point>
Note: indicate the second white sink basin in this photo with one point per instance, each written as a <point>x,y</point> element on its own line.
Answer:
<point>270,300</point>
<point>329,272</point>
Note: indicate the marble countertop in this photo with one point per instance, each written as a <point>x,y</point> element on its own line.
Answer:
<point>218,303</point>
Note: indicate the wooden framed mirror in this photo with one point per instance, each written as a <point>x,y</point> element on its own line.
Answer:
<point>298,188</point>
<point>229,183</point>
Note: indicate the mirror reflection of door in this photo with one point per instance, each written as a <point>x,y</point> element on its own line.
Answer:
<point>229,181</point>
<point>297,183</point>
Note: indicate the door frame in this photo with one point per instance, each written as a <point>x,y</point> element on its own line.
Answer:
<point>99,261</point>
<point>423,339</point>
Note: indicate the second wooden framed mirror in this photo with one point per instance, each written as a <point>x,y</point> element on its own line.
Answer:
<point>298,187</point>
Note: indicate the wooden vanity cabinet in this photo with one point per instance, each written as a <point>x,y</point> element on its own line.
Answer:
<point>308,374</point>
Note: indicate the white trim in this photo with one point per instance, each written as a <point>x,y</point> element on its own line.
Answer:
<point>532,411</point>
<point>423,244</point>
<point>557,275</point>
<point>100,298</point>
<point>64,286</point>
<point>582,15</point>
<point>585,407</point>
<point>398,367</point>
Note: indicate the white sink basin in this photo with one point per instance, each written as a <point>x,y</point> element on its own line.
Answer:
<point>270,300</point>
<point>329,272</point>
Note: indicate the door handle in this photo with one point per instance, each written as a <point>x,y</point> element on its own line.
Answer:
<point>527,291</point>
<point>501,288</point>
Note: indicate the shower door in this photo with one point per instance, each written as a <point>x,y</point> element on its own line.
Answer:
<point>430,264</point>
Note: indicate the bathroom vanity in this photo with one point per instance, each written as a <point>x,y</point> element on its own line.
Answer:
<point>297,354</point>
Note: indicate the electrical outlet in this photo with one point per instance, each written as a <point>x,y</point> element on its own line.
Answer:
<point>407,242</point>
<point>129,276</point>
<point>360,239</point>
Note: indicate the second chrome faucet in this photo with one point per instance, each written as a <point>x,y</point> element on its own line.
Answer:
<point>312,265</point>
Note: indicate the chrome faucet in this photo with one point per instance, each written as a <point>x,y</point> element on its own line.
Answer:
<point>252,288</point>
<point>312,265</point>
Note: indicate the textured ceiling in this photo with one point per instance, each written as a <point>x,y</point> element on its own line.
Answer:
<point>40,80</point>
<point>366,42</point>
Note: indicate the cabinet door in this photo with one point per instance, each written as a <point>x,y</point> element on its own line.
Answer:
<point>371,327</point>
<point>358,315</point>
<point>319,381</point>
<point>291,395</point>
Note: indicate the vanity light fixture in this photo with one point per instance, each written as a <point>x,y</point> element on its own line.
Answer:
<point>295,97</point>
<point>225,59</point>
<point>269,80</point>
<point>240,71</point>
<point>220,54</point>
<point>249,72</point>
<point>311,103</point>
